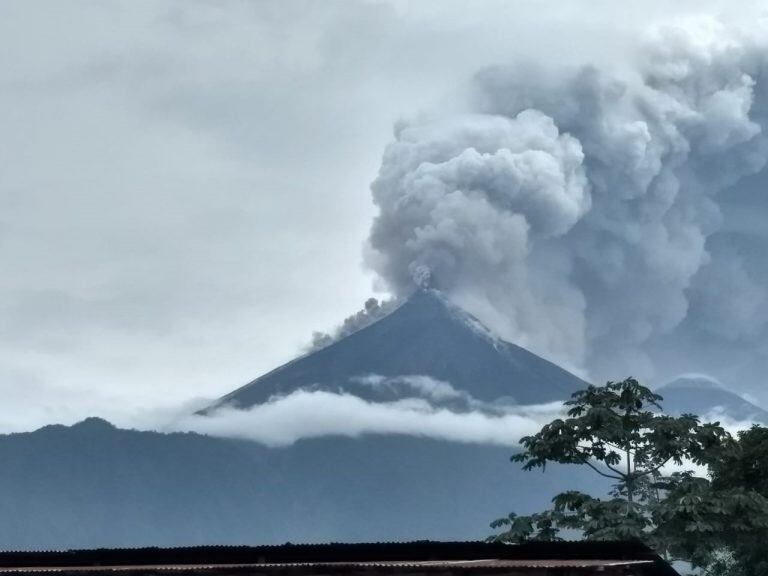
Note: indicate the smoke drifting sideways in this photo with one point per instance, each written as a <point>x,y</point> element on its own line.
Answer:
<point>610,222</point>
<point>372,311</point>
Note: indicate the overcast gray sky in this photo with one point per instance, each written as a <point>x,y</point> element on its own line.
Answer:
<point>184,185</point>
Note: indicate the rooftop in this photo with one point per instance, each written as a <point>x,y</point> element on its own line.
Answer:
<point>411,558</point>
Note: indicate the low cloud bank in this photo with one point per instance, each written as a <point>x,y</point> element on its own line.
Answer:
<point>422,385</point>
<point>425,407</point>
<point>311,414</point>
<point>438,393</point>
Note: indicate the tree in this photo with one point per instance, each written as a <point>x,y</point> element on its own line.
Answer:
<point>744,470</point>
<point>619,432</point>
<point>711,526</point>
<point>612,430</point>
<point>746,465</point>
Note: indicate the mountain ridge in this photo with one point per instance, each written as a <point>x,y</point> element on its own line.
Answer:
<point>94,485</point>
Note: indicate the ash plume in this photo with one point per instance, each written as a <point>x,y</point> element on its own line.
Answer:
<point>372,311</point>
<point>596,217</point>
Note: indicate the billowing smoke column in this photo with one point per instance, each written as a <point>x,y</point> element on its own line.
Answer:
<point>594,218</point>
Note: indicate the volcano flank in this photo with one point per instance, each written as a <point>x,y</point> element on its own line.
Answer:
<point>427,336</point>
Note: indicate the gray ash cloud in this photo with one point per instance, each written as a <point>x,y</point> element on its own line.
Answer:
<point>595,217</point>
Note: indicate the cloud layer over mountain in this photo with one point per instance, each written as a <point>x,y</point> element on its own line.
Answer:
<point>312,414</point>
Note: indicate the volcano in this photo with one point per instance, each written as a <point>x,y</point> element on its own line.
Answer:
<point>701,395</point>
<point>427,336</point>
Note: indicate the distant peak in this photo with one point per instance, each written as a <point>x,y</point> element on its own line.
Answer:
<point>695,380</point>
<point>94,423</point>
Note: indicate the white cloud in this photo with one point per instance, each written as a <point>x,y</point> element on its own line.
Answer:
<point>425,386</point>
<point>306,414</point>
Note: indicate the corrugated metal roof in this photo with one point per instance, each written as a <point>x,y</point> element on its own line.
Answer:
<point>406,557</point>
<point>485,563</point>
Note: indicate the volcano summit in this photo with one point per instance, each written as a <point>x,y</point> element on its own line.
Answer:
<point>428,338</point>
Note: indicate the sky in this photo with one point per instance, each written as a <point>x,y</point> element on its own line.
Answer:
<point>185,192</point>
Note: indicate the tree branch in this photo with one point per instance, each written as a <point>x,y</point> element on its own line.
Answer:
<point>596,469</point>
<point>611,445</point>
<point>656,469</point>
<point>616,447</point>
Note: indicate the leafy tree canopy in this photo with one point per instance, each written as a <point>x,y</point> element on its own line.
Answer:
<point>614,430</point>
<point>619,431</point>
